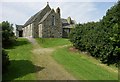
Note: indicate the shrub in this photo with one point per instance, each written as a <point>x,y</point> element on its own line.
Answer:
<point>5,61</point>
<point>101,39</point>
<point>8,37</point>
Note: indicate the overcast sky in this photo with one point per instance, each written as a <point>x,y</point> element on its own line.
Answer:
<point>19,12</point>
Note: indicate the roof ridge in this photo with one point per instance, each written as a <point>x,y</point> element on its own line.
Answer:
<point>33,18</point>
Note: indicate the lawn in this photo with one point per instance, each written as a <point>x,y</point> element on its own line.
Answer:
<point>52,42</point>
<point>82,66</point>
<point>21,66</point>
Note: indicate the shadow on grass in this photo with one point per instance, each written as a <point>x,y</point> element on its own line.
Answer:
<point>17,43</point>
<point>20,68</point>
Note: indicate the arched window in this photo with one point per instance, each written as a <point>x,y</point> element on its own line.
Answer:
<point>53,20</point>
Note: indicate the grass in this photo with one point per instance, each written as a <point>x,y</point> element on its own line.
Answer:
<point>79,65</point>
<point>21,66</point>
<point>82,67</point>
<point>52,42</point>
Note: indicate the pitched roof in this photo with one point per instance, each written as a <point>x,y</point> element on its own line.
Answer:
<point>19,27</point>
<point>34,17</point>
<point>65,22</point>
<point>45,16</point>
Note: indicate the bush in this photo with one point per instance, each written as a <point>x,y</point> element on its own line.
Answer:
<point>5,61</point>
<point>8,37</point>
<point>101,39</point>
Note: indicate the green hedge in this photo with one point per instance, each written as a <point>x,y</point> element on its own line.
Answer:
<point>8,39</point>
<point>101,39</point>
<point>5,61</point>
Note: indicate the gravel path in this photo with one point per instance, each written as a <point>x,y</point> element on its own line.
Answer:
<point>51,69</point>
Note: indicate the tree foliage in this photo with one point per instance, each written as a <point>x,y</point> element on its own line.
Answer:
<point>101,39</point>
<point>5,61</point>
<point>7,34</point>
<point>7,39</point>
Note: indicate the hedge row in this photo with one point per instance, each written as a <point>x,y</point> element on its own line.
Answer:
<point>8,39</point>
<point>101,39</point>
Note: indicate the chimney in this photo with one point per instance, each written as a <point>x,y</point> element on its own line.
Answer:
<point>58,11</point>
<point>69,20</point>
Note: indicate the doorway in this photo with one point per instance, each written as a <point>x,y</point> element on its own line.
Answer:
<point>21,33</point>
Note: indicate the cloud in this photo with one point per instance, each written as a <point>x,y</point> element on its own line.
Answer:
<point>59,0</point>
<point>0,11</point>
<point>20,12</point>
<point>13,15</point>
<point>80,11</point>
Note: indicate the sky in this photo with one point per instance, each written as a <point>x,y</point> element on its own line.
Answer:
<point>18,12</point>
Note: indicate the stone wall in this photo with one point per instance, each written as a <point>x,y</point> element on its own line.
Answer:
<point>46,29</point>
<point>32,30</point>
<point>49,30</point>
<point>40,16</point>
<point>28,31</point>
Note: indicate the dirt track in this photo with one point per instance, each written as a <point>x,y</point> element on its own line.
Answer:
<point>51,69</point>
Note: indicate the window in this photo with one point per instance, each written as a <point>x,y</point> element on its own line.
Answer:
<point>53,20</point>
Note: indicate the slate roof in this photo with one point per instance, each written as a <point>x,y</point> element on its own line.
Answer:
<point>65,22</point>
<point>19,27</point>
<point>32,18</point>
<point>45,16</point>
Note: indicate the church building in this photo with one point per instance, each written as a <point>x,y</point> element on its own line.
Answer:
<point>47,23</point>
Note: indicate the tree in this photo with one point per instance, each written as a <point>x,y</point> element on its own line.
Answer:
<point>7,39</point>
<point>7,34</point>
